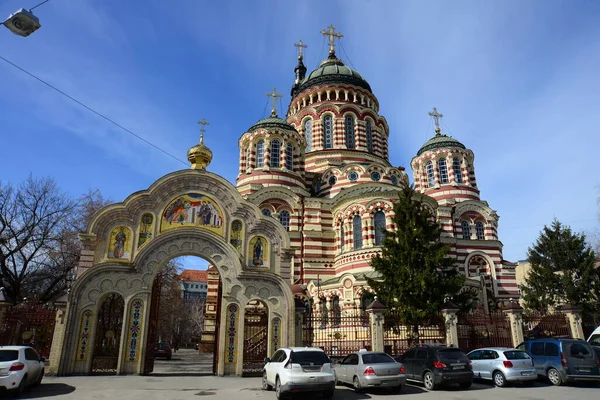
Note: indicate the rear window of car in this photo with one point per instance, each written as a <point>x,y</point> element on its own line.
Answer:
<point>310,358</point>
<point>451,354</point>
<point>595,340</point>
<point>377,358</point>
<point>516,355</point>
<point>582,350</point>
<point>162,346</point>
<point>9,355</point>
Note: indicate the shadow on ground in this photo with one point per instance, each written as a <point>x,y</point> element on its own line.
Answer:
<point>44,390</point>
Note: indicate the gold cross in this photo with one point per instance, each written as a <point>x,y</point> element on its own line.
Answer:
<point>301,46</point>
<point>204,122</point>
<point>332,35</point>
<point>274,96</point>
<point>436,116</point>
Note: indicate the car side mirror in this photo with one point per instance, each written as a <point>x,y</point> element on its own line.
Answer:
<point>267,360</point>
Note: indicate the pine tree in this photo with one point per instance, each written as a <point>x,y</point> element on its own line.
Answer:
<point>416,274</point>
<point>562,270</point>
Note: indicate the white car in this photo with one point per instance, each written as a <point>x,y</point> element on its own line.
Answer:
<point>299,369</point>
<point>20,367</point>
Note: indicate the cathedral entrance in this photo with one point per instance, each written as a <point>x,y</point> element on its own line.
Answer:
<point>108,335</point>
<point>256,335</point>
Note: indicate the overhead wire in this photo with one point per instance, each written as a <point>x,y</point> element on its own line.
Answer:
<point>34,7</point>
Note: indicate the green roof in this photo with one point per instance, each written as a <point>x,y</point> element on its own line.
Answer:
<point>272,122</point>
<point>440,141</point>
<point>333,71</point>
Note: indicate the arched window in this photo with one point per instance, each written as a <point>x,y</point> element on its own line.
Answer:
<point>430,174</point>
<point>369,133</point>
<point>466,230</point>
<point>308,134</point>
<point>479,230</point>
<point>366,299</point>
<point>266,211</point>
<point>324,312</point>
<point>457,170</point>
<point>379,223</point>
<point>275,146</point>
<point>357,231</point>
<point>248,158</point>
<point>260,154</point>
<point>349,131</point>
<point>443,170</point>
<point>289,156</point>
<point>336,312</point>
<point>342,234</point>
<point>284,219</point>
<point>327,132</point>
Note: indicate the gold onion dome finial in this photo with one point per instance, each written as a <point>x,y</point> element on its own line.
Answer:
<point>200,156</point>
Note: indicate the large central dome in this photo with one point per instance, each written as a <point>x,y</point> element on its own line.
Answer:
<point>333,71</point>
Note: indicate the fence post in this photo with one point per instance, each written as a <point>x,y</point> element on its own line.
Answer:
<point>376,321</point>
<point>4,304</point>
<point>58,336</point>
<point>449,311</point>
<point>574,317</point>
<point>515,316</point>
<point>298,318</point>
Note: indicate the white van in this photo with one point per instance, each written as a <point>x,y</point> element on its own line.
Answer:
<point>594,338</point>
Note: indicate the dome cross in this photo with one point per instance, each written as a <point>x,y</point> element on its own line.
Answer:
<point>301,46</point>
<point>436,116</point>
<point>274,96</point>
<point>203,122</point>
<point>332,35</point>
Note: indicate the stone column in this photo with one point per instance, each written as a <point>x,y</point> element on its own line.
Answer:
<point>298,319</point>
<point>574,318</point>
<point>4,304</point>
<point>449,311</point>
<point>58,336</point>
<point>515,316</point>
<point>376,320</point>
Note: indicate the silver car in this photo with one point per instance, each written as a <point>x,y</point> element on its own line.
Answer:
<point>503,365</point>
<point>367,369</point>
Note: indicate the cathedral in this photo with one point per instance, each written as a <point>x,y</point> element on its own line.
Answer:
<point>324,173</point>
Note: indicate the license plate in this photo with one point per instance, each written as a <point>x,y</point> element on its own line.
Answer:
<point>526,373</point>
<point>584,370</point>
<point>459,367</point>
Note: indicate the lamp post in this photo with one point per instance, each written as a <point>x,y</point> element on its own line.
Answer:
<point>22,22</point>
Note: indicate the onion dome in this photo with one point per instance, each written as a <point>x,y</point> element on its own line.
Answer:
<point>200,155</point>
<point>272,121</point>
<point>333,71</point>
<point>440,141</point>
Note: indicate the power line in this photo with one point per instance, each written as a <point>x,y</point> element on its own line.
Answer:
<point>346,55</point>
<point>92,110</point>
<point>43,2</point>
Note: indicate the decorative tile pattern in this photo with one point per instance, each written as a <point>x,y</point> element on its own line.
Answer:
<point>275,334</point>
<point>135,329</point>
<point>84,335</point>
<point>232,318</point>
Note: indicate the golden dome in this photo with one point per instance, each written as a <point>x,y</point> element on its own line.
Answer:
<point>200,155</point>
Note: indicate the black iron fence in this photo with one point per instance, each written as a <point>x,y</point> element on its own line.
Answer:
<point>29,324</point>
<point>397,338</point>
<point>538,325</point>
<point>483,329</point>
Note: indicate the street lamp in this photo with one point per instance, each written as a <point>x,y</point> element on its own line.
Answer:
<point>22,22</point>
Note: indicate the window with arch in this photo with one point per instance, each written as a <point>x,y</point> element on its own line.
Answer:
<point>357,232</point>
<point>328,132</point>
<point>369,134</point>
<point>379,223</point>
<point>342,234</point>
<point>366,299</point>
<point>284,219</point>
<point>466,230</point>
<point>349,131</point>
<point>308,134</point>
<point>260,154</point>
<point>275,157</point>
<point>479,230</point>
<point>443,170</point>
<point>324,312</point>
<point>266,211</point>
<point>289,156</point>
<point>430,174</point>
<point>336,312</point>
<point>457,170</point>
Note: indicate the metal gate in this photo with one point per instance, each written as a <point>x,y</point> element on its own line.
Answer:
<point>152,326</point>
<point>256,335</point>
<point>482,329</point>
<point>29,324</point>
<point>107,341</point>
<point>538,325</point>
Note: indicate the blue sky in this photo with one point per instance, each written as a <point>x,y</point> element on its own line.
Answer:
<point>516,81</point>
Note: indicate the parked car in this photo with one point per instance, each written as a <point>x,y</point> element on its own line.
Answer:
<point>503,365</point>
<point>437,365</point>
<point>163,350</point>
<point>563,360</point>
<point>20,367</point>
<point>594,338</point>
<point>299,369</point>
<point>367,369</point>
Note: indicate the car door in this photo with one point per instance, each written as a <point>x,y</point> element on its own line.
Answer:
<point>552,356</point>
<point>274,365</point>
<point>488,358</point>
<point>475,357</point>
<point>33,365</point>
<point>340,369</point>
<point>407,360</point>
<point>581,359</point>
<point>420,363</point>
<point>536,351</point>
<point>351,367</point>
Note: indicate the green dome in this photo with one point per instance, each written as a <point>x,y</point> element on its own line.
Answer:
<point>272,122</point>
<point>440,141</point>
<point>333,71</point>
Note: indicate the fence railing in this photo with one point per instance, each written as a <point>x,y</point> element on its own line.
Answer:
<point>537,324</point>
<point>397,338</point>
<point>29,324</point>
<point>482,329</point>
<point>338,334</point>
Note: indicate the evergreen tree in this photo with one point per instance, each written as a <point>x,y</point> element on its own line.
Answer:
<point>416,274</point>
<point>562,270</point>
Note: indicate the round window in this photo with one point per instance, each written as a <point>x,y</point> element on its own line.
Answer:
<point>375,176</point>
<point>353,176</point>
<point>332,180</point>
<point>394,179</point>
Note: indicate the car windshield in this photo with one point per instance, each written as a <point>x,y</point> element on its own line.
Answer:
<point>9,355</point>
<point>162,346</point>
<point>377,358</point>
<point>309,358</point>
<point>516,355</point>
<point>595,340</point>
<point>452,354</point>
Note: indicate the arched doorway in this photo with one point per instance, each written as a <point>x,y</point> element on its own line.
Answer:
<point>256,336</point>
<point>107,338</point>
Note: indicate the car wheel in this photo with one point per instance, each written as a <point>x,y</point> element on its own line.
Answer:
<point>465,385</point>
<point>265,383</point>
<point>328,394</point>
<point>21,388</point>
<point>39,379</point>
<point>499,379</point>
<point>357,385</point>
<point>278,393</point>
<point>428,381</point>
<point>554,377</point>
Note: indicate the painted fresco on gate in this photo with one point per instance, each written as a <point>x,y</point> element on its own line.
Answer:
<point>258,252</point>
<point>119,245</point>
<point>146,228</point>
<point>190,210</point>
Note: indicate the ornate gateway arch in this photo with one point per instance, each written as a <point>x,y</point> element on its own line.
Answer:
<point>190,212</point>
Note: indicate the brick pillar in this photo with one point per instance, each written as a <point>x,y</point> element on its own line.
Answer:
<point>376,320</point>
<point>449,311</point>
<point>574,317</point>
<point>58,336</point>
<point>298,318</point>
<point>515,316</point>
